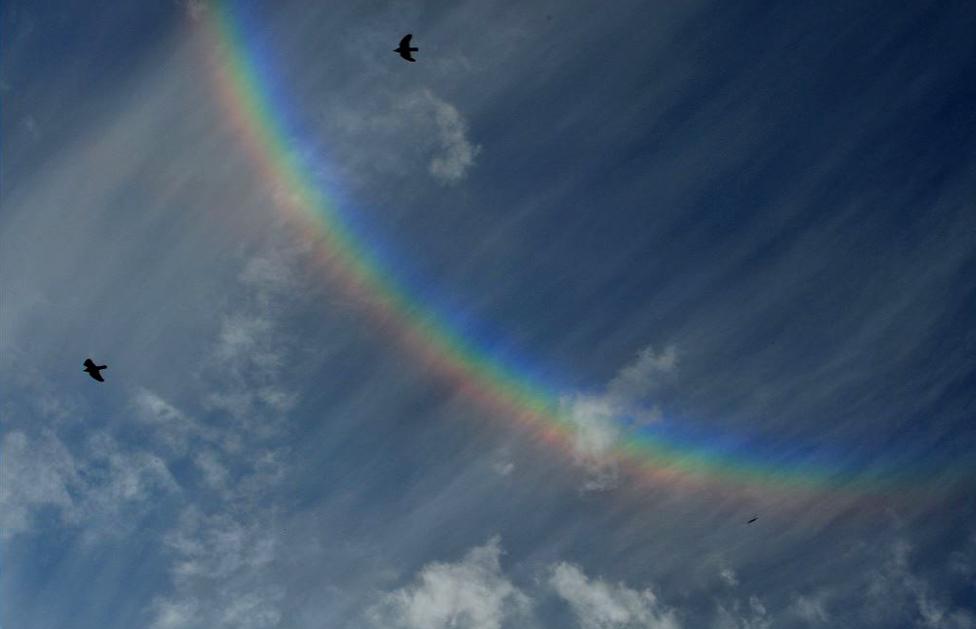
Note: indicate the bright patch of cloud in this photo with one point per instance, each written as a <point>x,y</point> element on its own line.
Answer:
<point>98,483</point>
<point>424,127</point>
<point>169,424</point>
<point>601,605</point>
<point>728,576</point>
<point>457,152</point>
<point>469,594</point>
<point>601,420</point>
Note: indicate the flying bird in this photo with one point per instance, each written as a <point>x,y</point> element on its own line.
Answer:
<point>94,370</point>
<point>404,50</point>
<point>753,520</point>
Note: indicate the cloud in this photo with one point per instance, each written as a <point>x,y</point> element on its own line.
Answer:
<point>601,605</point>
<point>601,420</point>
<point>739,616</point>
<point>247,365</point>
<point>173,427</point>
<point>596,432</point>
<point>172,615</point>
<point>728,576</point>
<point>220,571</point>
<point>99,482</point>
<point>398,130</point>
<point>503,467</point>
<point>35,473</point>
<point>457,152</point>
<point>636,380</point>
<point>225,545</point>
<point>810,609</point>
<point>895,592</point>
<point>469,594</point>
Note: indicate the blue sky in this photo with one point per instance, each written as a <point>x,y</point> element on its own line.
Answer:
<point>749,226</point>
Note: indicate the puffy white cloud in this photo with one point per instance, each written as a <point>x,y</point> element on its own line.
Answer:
<point>469,594</point>
<point>601,420</point>
<point>601,605</point>
<point>597,430</point>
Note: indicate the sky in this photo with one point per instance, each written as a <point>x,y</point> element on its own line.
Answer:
<point>520,335</point>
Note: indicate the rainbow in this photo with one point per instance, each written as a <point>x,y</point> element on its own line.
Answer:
<point>651,454</point>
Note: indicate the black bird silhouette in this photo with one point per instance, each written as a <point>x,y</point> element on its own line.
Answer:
<point>404,50</point>
<point>753,520</point>
<point>94,370</point>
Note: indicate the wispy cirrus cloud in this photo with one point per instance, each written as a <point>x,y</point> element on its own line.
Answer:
<point>225,541</point>
<point>398,131</point>
<point>89,484</point>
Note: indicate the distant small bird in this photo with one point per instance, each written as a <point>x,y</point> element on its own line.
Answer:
<point>404,50</point>
<point>753,520</point>
<point>94,370</point>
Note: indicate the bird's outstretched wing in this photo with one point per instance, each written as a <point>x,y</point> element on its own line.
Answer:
<point>96,375</point>
<point>405,42</point>
<point>88,363</point>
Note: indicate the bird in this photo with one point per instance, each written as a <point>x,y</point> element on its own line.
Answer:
<point>404,50</point>
<point>753,520</point>
<point>94,370</point>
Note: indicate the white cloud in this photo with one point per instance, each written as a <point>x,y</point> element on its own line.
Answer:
<point>398,130</point>
<point>503,468</point>
<point>171,615</point>
<point>469,594</point>
<point>457,153</point>
<point>896,591</point>
<point>101,482</point>
<point>225,547</point>
<point>220,572</point>
<point>214,473</point>
<point>739,616</point>
<point>601,420</point>
<point>247,362</point>
<point>597,431</point>
<point>810,609</point>
<point>33,473</point>
<point>601,605</point>
<point>170,425</point>
<point>638,378</point>
<point>728,575</point>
